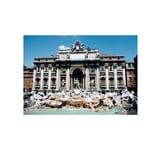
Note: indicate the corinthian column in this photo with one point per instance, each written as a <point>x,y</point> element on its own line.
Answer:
<point>97,77</point>
<point>115,76</point>
<point>107,78</point>
<point>124,76</point>
<point>34,77</point>
<point>42,74</point>
<point>87,78</point>
<point>57,78</point>
<point>49,77</point>
<point>67,79</point>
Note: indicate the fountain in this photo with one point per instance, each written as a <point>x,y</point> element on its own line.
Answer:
<point>77,98</point>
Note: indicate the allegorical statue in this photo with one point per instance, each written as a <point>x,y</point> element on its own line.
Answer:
<point>92,83</point>
<point>63,83</point>
<point>76,83</point>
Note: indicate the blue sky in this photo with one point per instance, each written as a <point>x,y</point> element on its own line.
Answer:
<point>46,45</point>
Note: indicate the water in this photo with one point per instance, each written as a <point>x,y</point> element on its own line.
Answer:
<point>65,111</point>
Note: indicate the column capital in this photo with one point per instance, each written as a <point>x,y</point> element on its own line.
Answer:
<point>106,65</point>
<point>123,65</point>
<point>115,65</point>
<point>57,66</point>
<point>50,66</point>
<point>42,66</point>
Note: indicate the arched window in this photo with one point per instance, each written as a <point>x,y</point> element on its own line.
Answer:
<point>45,82</point>
<point>37,82</point>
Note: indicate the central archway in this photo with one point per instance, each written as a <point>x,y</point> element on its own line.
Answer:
<point>78,77</point>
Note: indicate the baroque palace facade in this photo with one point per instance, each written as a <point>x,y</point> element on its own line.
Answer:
<point>79,67</point>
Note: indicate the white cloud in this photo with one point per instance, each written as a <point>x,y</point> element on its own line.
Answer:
<point>62,47</point>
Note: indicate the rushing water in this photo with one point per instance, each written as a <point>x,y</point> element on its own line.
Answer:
<point>65,111</point>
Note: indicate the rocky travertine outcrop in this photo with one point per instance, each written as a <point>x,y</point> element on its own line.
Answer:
<point>78,98</point>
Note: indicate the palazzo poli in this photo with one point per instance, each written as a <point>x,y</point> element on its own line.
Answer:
<point>79,68</point>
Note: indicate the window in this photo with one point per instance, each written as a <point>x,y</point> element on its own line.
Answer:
<point>53,69</point>
<point>131,72</point>
<point>120,81</point>
<point>45,82</point>
<point>111,82</point>
<point>45,74</point>
<point>119,73</point>
<point>111,68</point>
<point>92,70</point>
<point>102,81</point>
<point>46,68</point>
<point>111,74</point>
<point>119,67</point>
<point>37,82</point>
<point>102,74</point>
<point>102,68</point>
<point>38,68</point>
<point>53,82</point>
<point>38,74</point>
<point>63,70</point>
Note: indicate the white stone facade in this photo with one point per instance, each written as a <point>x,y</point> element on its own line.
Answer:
<point>79,67</point>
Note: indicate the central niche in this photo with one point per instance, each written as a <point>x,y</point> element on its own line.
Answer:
<point>77,78</point>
